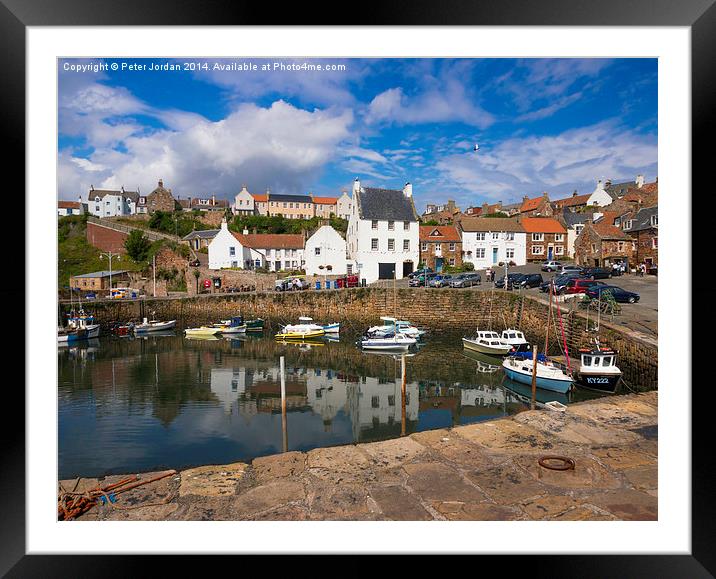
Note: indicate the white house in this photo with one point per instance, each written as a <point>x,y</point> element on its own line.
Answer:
<point>488,241</point>
<point>575,223</point>
<point>65,208</point>
<point>326,249</point>
<point>343,206</point>
<point>383,232</point>
<point>244,203</point>
<point>250,251</point>
<point>109,203</point>
<point>600,196</point>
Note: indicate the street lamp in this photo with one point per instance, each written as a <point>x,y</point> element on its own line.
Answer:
<point>110,255</point>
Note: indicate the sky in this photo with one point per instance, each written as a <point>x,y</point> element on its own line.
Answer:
<point>210,126</point>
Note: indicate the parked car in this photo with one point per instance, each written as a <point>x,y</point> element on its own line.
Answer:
<point>466,280</point>
<point>557,281</point>
<point>195,263</point>
<point>422,279</point>
<point>440,280</point>
<point>419,272</point>
<point>571,269</point>
<point>529,280</point>
<point>578,286</point>
<point>619,294</point>
<point>551,266</point>
<point>91,296</point>
<point>597,272</point>
<point>287,284</point>
<point>512,279</point>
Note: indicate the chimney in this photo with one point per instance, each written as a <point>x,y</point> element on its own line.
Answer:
<point>408,190</point>
<point>356,186</point>
<point>574,193</point>
<point>213,199</point>
<point>544,194</point>
<point>91,187</point>
<point>640,181</point>
<point>161,183</point>
<point>245,231</point>
<point>599,184</point>
<point>224,226</point>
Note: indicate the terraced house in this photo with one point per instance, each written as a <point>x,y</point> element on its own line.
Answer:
<point>488,241</point>
<point>440,246</point>
<point>602,244</point>
<point>643,228</point>
<point>546,238</point>
<point>111,203</point>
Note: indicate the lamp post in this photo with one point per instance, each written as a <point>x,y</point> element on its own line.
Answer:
<point>110,255</point>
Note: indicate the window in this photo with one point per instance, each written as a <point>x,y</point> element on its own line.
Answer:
<point>391,245</point>
<point>391,225</point>
<point>654,220</point>
<point>559,250</point>
<point>655,243</point>
<point>510,236</point>
<point>538,237</point>
<point>349,269</point>
<point>438,247</point>
<point>495,236</point>
<point>480,253</point>
<point>406,225</point>
<point>559,237</point>
<point>510,253</point>
<point>620,246</point>
<point>480,237</point>
<point>375,402</point>
<point>424,246</point>
<point>452,261</point>
<point>628,224</point>
<point>452,246</point>
<point>537,250</point>
<point>374,224</point>
<point>406,245</point>
<point>318,251</point>
<point>578,228</point>
<point>594,248</point>
<point>232,251</point>
<point>374,244</point>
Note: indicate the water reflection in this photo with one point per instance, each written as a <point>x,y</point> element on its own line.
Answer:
<point>165,401</point>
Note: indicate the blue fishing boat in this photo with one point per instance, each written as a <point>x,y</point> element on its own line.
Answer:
<point>549,375</point>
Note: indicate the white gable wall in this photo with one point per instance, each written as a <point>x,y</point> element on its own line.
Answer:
<point>332,251</point>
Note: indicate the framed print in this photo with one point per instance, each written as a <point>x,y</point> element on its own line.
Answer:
<point>389,288</point>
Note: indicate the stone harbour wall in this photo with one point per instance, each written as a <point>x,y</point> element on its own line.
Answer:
<point>449,312</point>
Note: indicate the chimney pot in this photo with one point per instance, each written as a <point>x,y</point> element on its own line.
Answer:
<point>161,183</point>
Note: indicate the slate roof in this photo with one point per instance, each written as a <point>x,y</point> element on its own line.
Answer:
<point>385,204</point>
<point>103,273</point>
<point>442,233</point>
<point>203,234</point>
<point>617,190</point>
<point>270,240</point>
<point>571,218</point>
<point>289,198</point>
<point>642,219</point>
<point>486,224</point>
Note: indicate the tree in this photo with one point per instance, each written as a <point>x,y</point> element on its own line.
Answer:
<point>137,246</point>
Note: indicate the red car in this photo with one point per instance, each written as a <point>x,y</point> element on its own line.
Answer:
<point>579,286</point>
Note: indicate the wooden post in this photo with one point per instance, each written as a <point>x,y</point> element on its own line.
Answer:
<point>534,377</point>
<point>284,421</point>
<point>402,395</point>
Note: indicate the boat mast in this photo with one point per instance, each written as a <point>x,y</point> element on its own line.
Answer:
<point>549,316</point>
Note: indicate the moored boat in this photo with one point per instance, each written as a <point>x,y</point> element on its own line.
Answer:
<point>395,341</point>
<point>300,334</point>
<point>487,342</point>
<point>154,326</point>
<point>233,326</point>
<point>256,325</point>
<point>549,375</point>
<point>516,339</point>
<point>80,326</point>
<point>597,370</point>
<point>391,324</point>
<point>202,331</point>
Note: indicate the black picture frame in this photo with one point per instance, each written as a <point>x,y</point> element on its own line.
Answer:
<point>699,15</point>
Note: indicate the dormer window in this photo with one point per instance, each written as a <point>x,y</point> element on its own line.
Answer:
<point>654,220</point>
<point>628,224</point>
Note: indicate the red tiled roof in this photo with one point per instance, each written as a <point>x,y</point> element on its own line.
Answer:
<point>574,200</point>
<point>608,217</point>
<point>68,205</point>
<point>325,200</point>
<point>607,231</point>
<point>542,225</point>
<point>439,233</point>
<point>270,240</point>
<point>531,204</point>
<point>260,197</point>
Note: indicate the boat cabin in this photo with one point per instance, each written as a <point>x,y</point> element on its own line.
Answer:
<point>513,336</point>
<point>489,338</point>
<point>597,359</point>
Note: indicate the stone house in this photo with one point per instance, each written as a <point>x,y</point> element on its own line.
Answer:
<point>440,246</point>
<point>290,206</point>
<point>488,241</point>
<point>161,199</point>
<point>538,206</point>
<point>643,228</point>
<point>343,206</point>
<point>324,206</point>
<point>445,214</point>
<point>602,245</point>
<point>546,238</point>
<point>99,280</point>
<point>383,232</point>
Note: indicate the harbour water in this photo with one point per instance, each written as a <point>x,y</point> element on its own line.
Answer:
<point>165,401</point>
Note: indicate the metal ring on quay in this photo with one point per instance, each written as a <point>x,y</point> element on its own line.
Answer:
<point>567,463</point>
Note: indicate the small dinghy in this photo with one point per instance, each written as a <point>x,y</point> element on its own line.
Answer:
<point>256,325</point>
<point>233,326</point>
<point>304,329</point>
<point>202,331</point>
<point>154,326</point>
<point>487,342</point>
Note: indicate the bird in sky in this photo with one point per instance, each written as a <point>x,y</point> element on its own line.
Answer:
<point>476,147</point>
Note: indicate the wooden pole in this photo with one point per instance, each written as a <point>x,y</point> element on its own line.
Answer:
<point>549,316</point>
<point>284,421</point>
<point>534,377</point>
<point>402,395</point>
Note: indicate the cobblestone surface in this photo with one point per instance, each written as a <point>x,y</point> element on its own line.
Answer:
<point>486,471</point>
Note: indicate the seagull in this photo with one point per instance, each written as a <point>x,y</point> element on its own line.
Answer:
<point>476,147</point>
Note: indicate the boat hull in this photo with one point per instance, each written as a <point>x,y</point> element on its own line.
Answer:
<point>484,349</point>
<point>599,382</point>
<point>201,331</point>
<point>332,328</point>
<point>140,329</point>
<point>554,385</point>
<point>299,335</point>
<point>254,325</point>
<point>368,345</point>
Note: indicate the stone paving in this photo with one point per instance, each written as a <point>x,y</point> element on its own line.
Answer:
<point>486,471</point>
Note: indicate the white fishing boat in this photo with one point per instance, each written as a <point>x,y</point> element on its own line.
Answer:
<point>154,326</point>
<point>487,342</point>
<point>304,325</point>
<point>549,375</point>
<point>396,341</point>
<point>516,339</point>
<point>80,326</point>
<point>597,369</point>
<point>233,326</point>
<point>391,324</point>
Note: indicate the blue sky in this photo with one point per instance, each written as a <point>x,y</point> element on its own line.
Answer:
<point>552,125</point>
